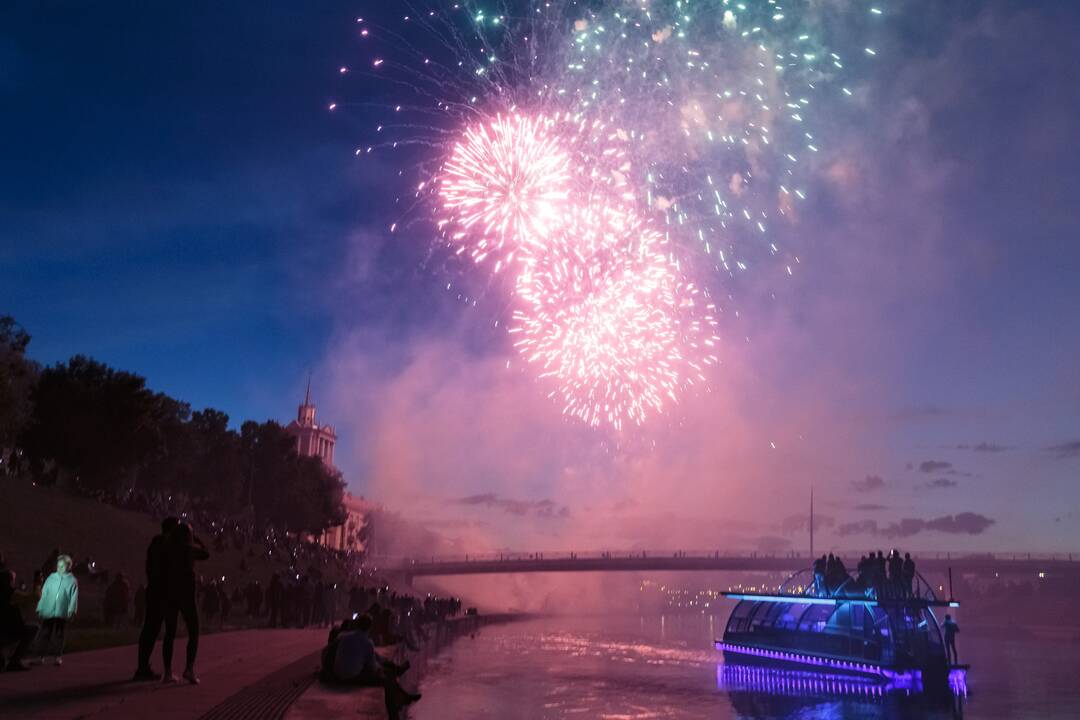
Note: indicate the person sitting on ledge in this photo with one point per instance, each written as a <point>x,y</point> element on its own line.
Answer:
<point>350,659</point>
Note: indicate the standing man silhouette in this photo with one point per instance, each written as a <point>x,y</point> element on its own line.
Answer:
<point>951,628</point>
<point>156,568</point>
<point>183,550</point>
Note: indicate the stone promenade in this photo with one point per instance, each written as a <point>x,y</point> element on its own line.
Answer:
<point>245,674</point>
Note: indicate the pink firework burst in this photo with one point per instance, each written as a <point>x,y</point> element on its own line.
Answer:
<point>606,317</point>
<point>504,187</point>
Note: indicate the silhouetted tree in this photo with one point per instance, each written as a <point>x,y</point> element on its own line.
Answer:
<point>169,467</point>
<point>315,498</point>
<point>106,430</point>
<point>97,423</point>
<point>17,378</point>
<point>217,470</point>
<point>268,449</point>
<point>295,493</point>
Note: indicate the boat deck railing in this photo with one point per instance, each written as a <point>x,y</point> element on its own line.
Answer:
<point>802,585</point>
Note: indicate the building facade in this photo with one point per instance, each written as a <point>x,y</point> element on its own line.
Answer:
<point>314,440</point>
<point>348,535</point>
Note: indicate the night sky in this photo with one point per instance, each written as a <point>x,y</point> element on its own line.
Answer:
<point>176,200</point>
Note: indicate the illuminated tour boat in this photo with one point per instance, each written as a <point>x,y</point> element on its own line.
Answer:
<point>849,631</point>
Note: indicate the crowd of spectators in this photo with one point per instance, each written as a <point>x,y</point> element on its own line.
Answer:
<point>314,587</point>
<point>222,531</point>
<point>277,579</point>
<point>877,576</point>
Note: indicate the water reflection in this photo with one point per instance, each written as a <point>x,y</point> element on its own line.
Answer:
<point>645,668</point>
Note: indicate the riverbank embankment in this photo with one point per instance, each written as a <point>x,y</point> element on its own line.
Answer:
<point>322,701</point>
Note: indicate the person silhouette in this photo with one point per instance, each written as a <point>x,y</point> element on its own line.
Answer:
<point>352,660</point>
<point>950,628</point>
<point>908,572</point>
<point>57,606</point>
<point>274,596</point>
<point>819,575</point>
<point>156,569</point>
<point>182,551</point>
<point>13,631</point>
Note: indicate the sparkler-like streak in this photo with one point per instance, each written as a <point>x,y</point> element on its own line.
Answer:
<point>609,155</point>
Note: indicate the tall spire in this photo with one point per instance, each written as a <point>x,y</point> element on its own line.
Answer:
<point>305,414</point>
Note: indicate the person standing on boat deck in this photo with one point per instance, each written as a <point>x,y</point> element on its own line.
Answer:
<point>951,628</point>
<point>819,575</point>
<point>908,571</point>
<point>841,573</point>
<point>896,569</point>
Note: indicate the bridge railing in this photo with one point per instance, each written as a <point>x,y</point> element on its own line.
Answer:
<point>568,555</point>
<point>574,555</point>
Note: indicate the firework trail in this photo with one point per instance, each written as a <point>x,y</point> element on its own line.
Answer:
<point>619,157</point>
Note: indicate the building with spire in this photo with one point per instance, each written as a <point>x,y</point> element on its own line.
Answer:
<point>312,439</point>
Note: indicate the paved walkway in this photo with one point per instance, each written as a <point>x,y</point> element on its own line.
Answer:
<point>320,701</point>
<point>239,670</point>
<point>361,703</point>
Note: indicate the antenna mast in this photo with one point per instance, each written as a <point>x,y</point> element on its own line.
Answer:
<point>811,523</point>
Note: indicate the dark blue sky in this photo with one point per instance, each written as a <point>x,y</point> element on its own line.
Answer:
<point>175,195</point>
<point>176,200</point>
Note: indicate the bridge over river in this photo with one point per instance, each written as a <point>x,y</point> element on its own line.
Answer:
<point>1013,564</point>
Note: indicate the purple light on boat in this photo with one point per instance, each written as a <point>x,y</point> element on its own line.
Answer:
<point>794,682</point>
<point>848,666</point>
<point>909,680</point>
<point>958,681</point>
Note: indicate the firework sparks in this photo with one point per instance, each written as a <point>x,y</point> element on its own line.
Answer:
<point>505,186</point>
<point>613,156</point>
<point>604,315</point>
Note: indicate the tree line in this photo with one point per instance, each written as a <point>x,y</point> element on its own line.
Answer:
<point>100,429</point>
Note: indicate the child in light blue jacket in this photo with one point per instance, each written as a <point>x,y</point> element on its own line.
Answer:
<point>58,603</point>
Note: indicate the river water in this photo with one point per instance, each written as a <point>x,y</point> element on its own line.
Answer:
<point>665,667</point>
